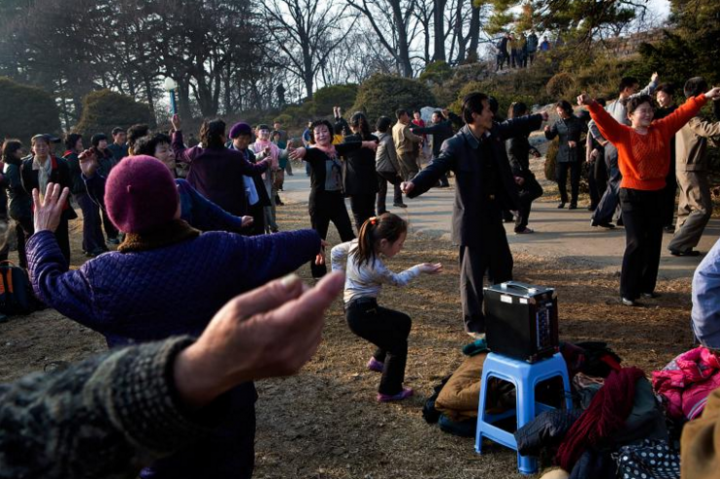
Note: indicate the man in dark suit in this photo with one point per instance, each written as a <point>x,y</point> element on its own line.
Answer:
<point>484,188</point>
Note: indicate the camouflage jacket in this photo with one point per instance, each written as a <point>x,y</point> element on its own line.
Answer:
<point>105,417</point>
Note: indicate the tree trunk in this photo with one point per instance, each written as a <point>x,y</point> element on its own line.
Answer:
<point>439,30</point>
<point>474,32</point>
<point>403,46</point>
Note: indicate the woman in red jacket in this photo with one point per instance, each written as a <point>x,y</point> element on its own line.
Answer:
<point>644,160</point>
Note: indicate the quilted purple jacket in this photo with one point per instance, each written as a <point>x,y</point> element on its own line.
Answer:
<point>151,295</point>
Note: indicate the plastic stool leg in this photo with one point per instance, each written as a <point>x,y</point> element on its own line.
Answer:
<point>525,402</point>
<point>481,410</point>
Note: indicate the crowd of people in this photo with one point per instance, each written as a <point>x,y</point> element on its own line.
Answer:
<point>186,348</point>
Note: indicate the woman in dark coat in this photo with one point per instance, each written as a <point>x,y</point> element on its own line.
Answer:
<point>519,149</point>
<point>20,204</point>
<point>326,202</point>
<point>216,172</point>
<point>360,174</point>
<point>41,168</point>
<point>569,128</point>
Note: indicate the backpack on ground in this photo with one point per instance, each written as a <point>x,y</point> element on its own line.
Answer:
<point>16,296</point>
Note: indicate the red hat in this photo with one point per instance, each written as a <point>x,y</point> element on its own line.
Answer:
<point>140,194</point>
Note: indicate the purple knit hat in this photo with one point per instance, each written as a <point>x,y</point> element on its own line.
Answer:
<point>140,194</point>
<point>238,129</point>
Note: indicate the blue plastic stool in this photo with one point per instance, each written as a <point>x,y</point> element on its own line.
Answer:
<point>525,376</point>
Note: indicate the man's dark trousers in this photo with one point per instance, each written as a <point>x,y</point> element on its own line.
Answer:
<point>492,256</point>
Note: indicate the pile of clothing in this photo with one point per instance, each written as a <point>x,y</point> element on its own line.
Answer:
<point>617,427</point>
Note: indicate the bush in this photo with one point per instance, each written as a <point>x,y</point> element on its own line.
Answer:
<point>550,158</point>
<point>383,94</point>
<point>103,110</point>
<point>26,111</point>
<point>560,85</point>
<point>335,95</point>
<point>436,72</point>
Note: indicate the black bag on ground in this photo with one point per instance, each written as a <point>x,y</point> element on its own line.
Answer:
<point>16,296</point>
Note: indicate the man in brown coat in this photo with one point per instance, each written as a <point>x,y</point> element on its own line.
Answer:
<point>406,145</point>
<point>695,205</point>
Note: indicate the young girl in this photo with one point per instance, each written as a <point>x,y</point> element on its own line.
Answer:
<point>387,329</point>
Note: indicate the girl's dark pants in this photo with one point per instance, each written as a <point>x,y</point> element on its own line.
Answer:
<point>389,331</point>
<point>642,216</point>
<point>324,207</point>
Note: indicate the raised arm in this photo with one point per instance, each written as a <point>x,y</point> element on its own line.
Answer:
<point>608,126</point>
<point>272,256</point>
<point>672,123</point>
<point>67,291</point>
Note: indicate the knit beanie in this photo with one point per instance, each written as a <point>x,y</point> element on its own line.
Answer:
<point>140,194</point>
<point>240,129</point>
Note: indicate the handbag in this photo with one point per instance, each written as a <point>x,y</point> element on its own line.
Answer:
<point>16,295</point>
<point>653,459</point>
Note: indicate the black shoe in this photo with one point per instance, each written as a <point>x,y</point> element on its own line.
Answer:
<point>691,252</point>
<point>400,205</point>
<point>113,241</point>
<point>561,206</point>
<point>572,206</point>
<point>603,224</point>
<point>652,295</point>
<point>669,229</point>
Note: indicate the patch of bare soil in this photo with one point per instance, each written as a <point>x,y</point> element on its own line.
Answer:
<point>325,422</point>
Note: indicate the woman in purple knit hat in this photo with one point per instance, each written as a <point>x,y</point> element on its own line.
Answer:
<point>166,278</point>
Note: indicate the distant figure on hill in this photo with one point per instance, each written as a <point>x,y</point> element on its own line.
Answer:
<point>532,46</point>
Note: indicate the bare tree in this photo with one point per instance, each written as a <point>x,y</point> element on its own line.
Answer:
<point>391,20</point>
<point>306,32</point>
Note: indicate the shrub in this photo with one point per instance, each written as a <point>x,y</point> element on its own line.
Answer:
<point>550,158</point>
<point>436,72</point>
<point>383,94</point>
<point>560,85</point>
<point>26,111</point>
<point>335,95</point>
<point>103,110</point>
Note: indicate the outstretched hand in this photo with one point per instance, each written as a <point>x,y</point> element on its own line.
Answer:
<point>247,221</point>
<point>407,187</point>
<point>270,331</point>
<point>49,210</point>
<point>713,94</point>
<point>176,123</point>
<point>430,268</point>
<point>297,153</point>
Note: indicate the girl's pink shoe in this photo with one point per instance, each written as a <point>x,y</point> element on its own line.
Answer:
<point>404,394</point>
<point>375,365</point>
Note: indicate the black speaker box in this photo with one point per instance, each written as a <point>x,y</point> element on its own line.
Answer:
<point>521,320</point>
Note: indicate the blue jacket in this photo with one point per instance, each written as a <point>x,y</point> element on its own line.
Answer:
<point>706,299</point>
<point>173,290</point>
